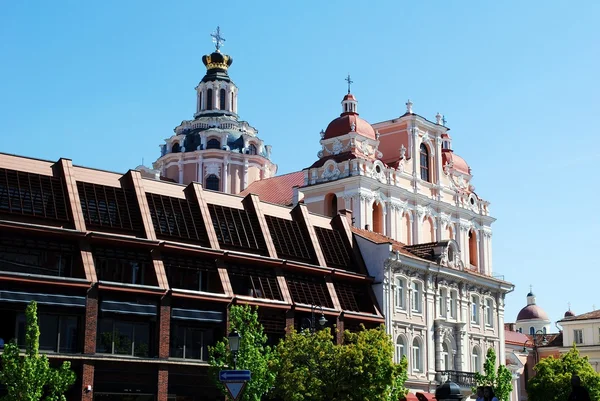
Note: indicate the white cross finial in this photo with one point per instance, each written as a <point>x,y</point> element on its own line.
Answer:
<point>438,118</point>
<point>409,106</point>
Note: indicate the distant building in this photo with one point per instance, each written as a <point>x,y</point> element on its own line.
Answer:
<point>532,318</point>
<point>584,332</point>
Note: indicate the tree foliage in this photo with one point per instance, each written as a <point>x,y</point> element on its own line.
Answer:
<point>311,367</point>
<point>253,354</point>
<point>552,381</point>
<point>29,377</point>
<point>499,379</point>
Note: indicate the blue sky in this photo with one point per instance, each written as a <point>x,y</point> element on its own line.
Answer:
<point>103,83</point>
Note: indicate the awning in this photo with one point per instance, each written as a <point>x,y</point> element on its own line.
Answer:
<point>425,397</point>
<point>42,299</point>
<point>127,308</point>
<point>197,315</point>
<point>409,397</point>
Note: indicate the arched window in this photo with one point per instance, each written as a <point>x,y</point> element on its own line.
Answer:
<point>427,230</point>
<point>425,175</point>
<point>532,331</point>
<point>213,144</point>
<point>473,249</point>
<point>252,149</point>
<point>209,99</point>
<point>176,148</point>
<point>417,355</point>
<point>377,217</point>
<point>399,294</point>
<point>212,183</point>
<point>222,99</point>
<point>200,101</point>
<point>331,205</point>
<point>406,228</point>
<point>544,330</point>
<point>476,359</point>
<point>231,97</point>
<point>446,364</point>
<point>400,349</point>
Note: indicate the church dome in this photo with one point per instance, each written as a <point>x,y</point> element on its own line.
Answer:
<point>349,121</point>
<point>569,313</point>
<point>457,162</point>
<point>532,312</point>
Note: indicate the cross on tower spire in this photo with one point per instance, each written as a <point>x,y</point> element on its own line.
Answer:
<point>217,38</point>
<point>530,288</point>
<point>350,82</point>
<point>444,120</point>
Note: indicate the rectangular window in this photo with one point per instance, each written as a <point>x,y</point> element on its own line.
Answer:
<point>57,333</point>
<point>578,336</point>
<point>123,338</point>
<point>474,309</point>
<point>190,342</point>
<point>399,295</point>
<point>416,297</point>
<point>443,302</point>
<point>124,266</point>
<point>489,313</point>
<point>417,358</point>
<point>453,297</point>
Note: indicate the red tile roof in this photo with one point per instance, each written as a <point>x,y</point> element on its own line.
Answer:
<point>584,316</point>
<point>278,189</point>
<point>514,337</point>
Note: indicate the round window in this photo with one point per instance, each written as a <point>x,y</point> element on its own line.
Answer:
<point>472,201</point>
<point>378,169</point>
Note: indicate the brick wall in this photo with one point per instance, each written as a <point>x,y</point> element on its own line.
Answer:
<point>164,329</point>
<point>91,321</point>
<point>163,383</point>
<point>87,379</point>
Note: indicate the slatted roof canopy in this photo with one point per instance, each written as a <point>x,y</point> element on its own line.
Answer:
<point>30,194</point>
<point>334,249</point>
<point>178,219</point>
<point>237,229</point>
<point>109,208</point>
<point>291,240</point>
<point>254,282</point>
<point>309,290</point>
<point>354,296</point>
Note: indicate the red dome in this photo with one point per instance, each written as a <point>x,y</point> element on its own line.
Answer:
<point>458,162</point>
<point>349,96</point>
<point>532,312</point>
<point>343,125</point>
<point>569,313</point>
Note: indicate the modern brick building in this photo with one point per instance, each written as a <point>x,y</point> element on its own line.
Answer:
<point>134,276</point>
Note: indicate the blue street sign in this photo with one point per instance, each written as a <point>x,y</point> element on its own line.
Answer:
<point>234,375</point>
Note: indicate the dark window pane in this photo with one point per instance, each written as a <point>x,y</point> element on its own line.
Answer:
<point>48,332</point>
<point>105,336</point>
<point>193,344</point>
<point>123,337</point>
<point>177,342</point>
<point>21,325</point>
<point>68,334</point>
<point>213,144</point>
<point>222,99</point>
<point>212,182</point>
<point>141,340</point>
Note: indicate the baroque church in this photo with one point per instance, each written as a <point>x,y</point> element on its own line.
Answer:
<point>423,231</point>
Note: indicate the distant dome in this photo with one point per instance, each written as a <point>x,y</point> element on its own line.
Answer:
<point>569,313</point>
<point>349,121</point>
<point>532,312</point>
<point>458,163</point>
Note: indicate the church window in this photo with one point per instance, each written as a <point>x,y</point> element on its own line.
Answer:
<point>252,149</point>
<point>377,217</point>
<point>544,330</point>
<point>331,205</point>
<point>209,99</point>
<point>212,182</point>
<point>222,99</point>
<point>176,148</point>
<point>213,144</point>
<point>445,145</point>
<point>532,331</point>
<point>476,360</point>
<point>425,163</point>
<point>473,249</point>
<point>200,101</point>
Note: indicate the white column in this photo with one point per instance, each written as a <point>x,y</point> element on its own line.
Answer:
<point>500,325</point>
<point>438,160</point>
<point>180,166</point>
<point>235,102</point>
<point>198,101</point>
<point>200,173</point>
<point>416,227</point>
<point>245,183</point>
<point>225,175</point>
<point>203,103</point>
<point>489,253</point>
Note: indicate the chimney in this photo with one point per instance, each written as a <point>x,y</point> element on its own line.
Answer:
<point>295,196</point>
<point>348,214</point>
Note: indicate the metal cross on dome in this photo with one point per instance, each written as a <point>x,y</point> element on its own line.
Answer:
<point>217,38</point>
<point>350,82</point>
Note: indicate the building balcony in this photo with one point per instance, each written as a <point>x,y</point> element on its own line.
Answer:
<point>463,379</point>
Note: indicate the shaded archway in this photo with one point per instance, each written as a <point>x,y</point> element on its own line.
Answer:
<point>378,217</point>
<point>331,205</point>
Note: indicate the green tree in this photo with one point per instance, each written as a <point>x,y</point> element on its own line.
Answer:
<point>500,380</point>
<point>312,367</point>
<point>253,354</point>
<point>30,377</point>
<point>552,381</point>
